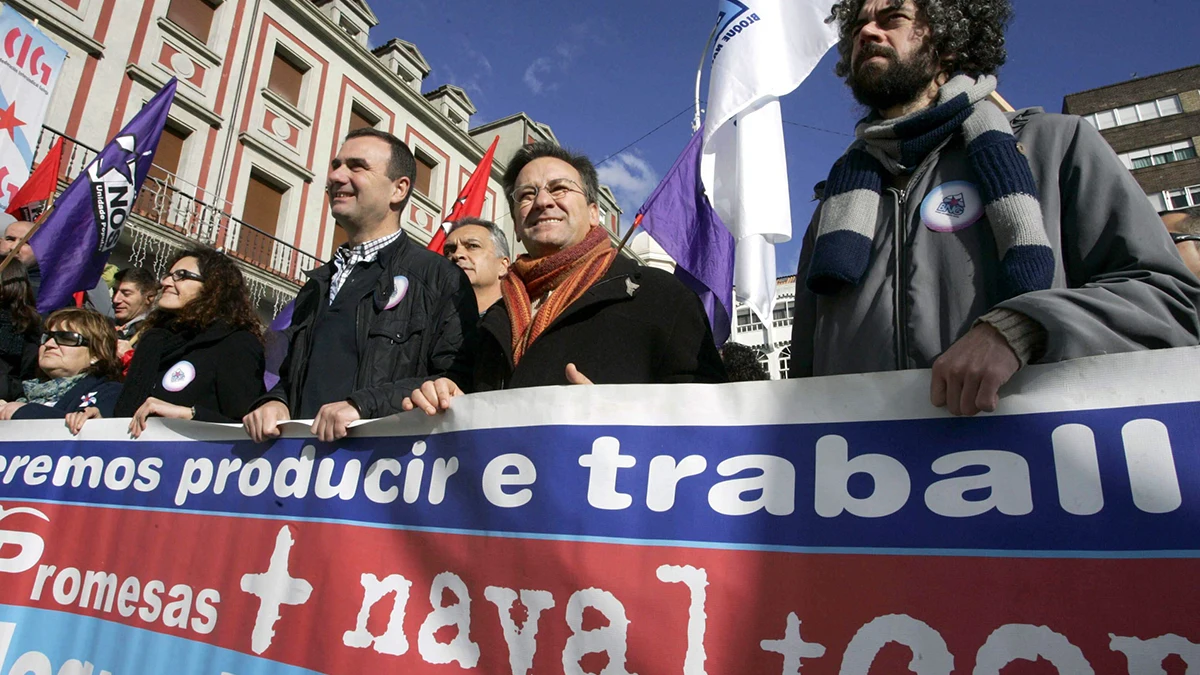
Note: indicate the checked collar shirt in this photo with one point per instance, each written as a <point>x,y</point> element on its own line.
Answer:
<point>346,257</point>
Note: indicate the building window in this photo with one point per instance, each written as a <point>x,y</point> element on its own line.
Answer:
<point>1181,198</point>
<point>1132,114</point>
<point>286,78</point>
<point>264,203</point>
<point>785,362</point>
<point>748,321</point>
<point>154,199</point>
<point>1163,154</point>
<point>360,119</point>
<point>783,312</point>
<point>348,26</point>
<point>424,182</point>
<point>193,16</point>
<point>763,360</point>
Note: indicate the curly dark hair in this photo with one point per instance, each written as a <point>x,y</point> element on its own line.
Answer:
<point>16,296</point>
<point>967,35</point>
<point>224,297</point>
<point>100,334</point>
<point>742,364</point>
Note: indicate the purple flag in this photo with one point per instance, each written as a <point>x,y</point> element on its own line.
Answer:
<point>275,344</point>
<point>679,217</point>
<point>73,244</point>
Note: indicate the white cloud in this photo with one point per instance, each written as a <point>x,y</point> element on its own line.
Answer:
<point>533,80</point>
<point>631,179</point>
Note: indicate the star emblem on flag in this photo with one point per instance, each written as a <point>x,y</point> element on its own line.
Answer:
<point>9,121</point>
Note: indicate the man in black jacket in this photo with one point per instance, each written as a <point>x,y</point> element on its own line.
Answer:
<point>574,311</point>
<point>385,316</point>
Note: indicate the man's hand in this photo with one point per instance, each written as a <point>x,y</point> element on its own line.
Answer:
<point>333,420</point>
<point>433,396</point>
<point>576,377</point>
<point>7,409</point>
<point>262,422</point>
<point>968,376</point>
<point>156,408</point>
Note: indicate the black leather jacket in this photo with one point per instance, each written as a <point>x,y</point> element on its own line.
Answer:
<point>427,334</point>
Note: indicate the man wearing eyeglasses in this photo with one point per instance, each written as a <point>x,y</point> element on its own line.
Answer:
<point>383,317</point>
<point>574,311</point>
<point>1184,227</point>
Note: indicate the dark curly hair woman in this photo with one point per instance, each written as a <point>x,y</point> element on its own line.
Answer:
<point>200,355</point>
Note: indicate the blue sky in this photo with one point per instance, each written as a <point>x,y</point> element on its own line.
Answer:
<point>603,74</point>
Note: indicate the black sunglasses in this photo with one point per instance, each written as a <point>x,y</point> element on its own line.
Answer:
<point>65,338</point>
<point>180,275</point>
<point>1177,237</point>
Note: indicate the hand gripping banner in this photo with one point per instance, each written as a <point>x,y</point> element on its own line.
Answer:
<point>835,525</point>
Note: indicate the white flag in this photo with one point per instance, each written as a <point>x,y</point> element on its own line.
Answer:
<point>30,63</point>
<point>764,49</point>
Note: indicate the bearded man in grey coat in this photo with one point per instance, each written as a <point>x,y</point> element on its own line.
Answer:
<point>954,236</point>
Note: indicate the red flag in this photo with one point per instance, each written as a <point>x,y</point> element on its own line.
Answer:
<point>470,200</point>
<point>41,184</point>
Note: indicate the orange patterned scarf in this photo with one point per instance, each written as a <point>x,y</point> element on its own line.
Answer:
<point>569,273</point>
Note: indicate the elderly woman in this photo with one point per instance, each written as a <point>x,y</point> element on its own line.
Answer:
<point>78,369</point>
<point>200,355</point>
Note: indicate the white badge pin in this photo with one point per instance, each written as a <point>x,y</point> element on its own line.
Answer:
<point>952,206</point>
<point>399,290</point>
<point>179,376</point>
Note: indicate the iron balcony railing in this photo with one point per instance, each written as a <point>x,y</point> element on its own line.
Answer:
<point>175,204</point>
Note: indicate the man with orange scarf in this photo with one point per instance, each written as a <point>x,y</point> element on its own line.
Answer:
<point>575,312</point>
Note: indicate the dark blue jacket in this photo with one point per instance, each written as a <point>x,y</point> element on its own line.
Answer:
<point>90,391</point>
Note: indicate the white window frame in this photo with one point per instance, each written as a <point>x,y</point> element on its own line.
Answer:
<point>1119,121</point>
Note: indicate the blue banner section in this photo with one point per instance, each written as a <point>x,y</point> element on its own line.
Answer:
<point>1116,480</point>
<point>45,641</point>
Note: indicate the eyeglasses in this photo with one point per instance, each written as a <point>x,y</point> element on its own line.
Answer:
<point>558,189</point>
<point>1179,238</point>
<point>64,338</point>
<point>180,275</point>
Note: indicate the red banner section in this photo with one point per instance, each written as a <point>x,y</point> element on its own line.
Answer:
<point>337,598</point>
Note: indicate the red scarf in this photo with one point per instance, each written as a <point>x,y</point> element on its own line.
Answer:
<point>569,273</point>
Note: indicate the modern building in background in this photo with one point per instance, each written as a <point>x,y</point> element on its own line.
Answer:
<point>1153,123</point>
<point>773,343</point>
<point>267,90</point>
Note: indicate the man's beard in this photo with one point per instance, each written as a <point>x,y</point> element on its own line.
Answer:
<point>897,83</point>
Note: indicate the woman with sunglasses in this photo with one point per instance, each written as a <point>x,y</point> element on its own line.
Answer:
<point>200,355</point>
<point>20,327</point>
<point>78,369</point>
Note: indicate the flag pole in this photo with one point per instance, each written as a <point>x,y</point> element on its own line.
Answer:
<point>28,235</point>
<point>624,240</point>
<point>700,72</point>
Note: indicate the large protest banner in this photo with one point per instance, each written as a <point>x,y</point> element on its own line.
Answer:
<point>836,525</point>
<point>30,63</point>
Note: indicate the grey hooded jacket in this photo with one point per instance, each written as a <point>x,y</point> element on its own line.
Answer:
<point>1119,284</point>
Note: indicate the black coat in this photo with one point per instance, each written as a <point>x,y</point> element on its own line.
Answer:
<point>18,356</point>
<point>637,325</point>
<point>91,391</point>
<point>420,339</point>
<point>218,371</point>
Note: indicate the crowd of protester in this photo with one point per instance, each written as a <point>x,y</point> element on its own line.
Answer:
<point>1050,252</point>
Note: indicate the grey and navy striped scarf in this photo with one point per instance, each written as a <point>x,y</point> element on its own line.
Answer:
<point>850,211</point>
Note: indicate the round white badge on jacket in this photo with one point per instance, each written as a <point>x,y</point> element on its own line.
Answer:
<point>179,376</point>
<point>952,206</point>
<point>399,290</point>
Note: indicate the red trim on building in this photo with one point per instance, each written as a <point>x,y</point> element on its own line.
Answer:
<point>135,55</point>
<point>89,71</point>
<point>226,72</point>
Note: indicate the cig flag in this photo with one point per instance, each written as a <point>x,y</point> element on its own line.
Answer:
<point>30,63</point>
<point>470,201</point>
<point>764,49</point>
<point>74,242</point>
<point>679,217</point>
